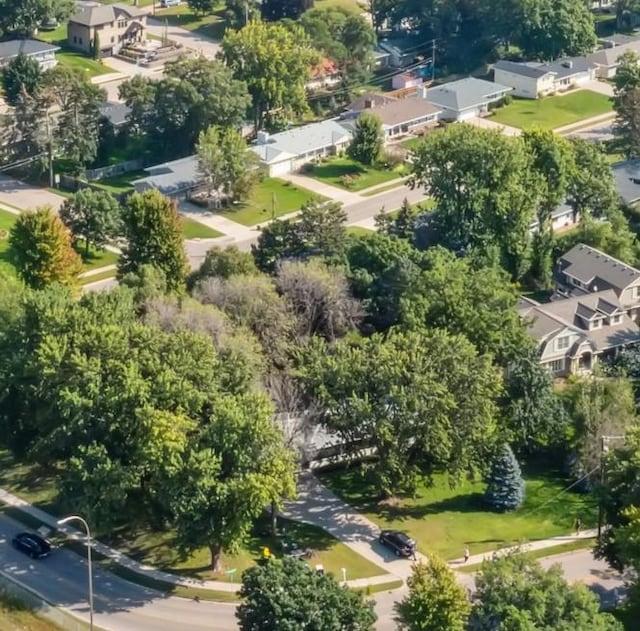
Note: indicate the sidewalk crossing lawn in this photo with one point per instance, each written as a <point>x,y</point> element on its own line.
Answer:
<point>270,198</point>
<point>444,519</point>
<point>553,111</point>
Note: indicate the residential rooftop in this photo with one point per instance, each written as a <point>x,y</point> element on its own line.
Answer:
<point>171,178</point>
<point>98,14</point>
<point>15,47</point>
<point>465,93</point>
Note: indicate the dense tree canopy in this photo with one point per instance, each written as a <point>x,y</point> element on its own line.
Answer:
<point>21,75</point>
<point>22,18</point>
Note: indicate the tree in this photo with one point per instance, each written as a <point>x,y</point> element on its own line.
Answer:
<point>237,466</point>
<point>154,237</point>
<point>277,241</point>
<point>515,592</point>
<point>402,397</point>
<point>240,12</point>
<point>319,296</point>
<point>202,7</point>
<point>225,163</point>
<point>435,602</point>
<point>555,28</point>
<point>627,105</point>
<point>403,225</point>
<point>94,216</point>
<point>367,142</point>
<point>321,229</point>
<point>274,10</point>
<point>95,45</point>
<point>225,263</point>
<point>505,486</point>
<point>274,61</point>
<point>22,75</point>
<point>484,191</point>
<point>22,19</point>
<point>288,594</point>
<point>40,248</point>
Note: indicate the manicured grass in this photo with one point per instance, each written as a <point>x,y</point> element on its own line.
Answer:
<point>73,59</point>
<point>351,6</point>
<point>119,184</point>
<point>14,616</point>
<point>333,171</point>
<point>358,231</point>
<point>192,229</point>
<point>58,36</point>
<point>444,520</point>
<point>553,111</point>
<point>212,25</point>
<point>94,278</point>
<point>96,258</point>
<point>158,549</point>
<point>269,199</point>
<point>7,220</point>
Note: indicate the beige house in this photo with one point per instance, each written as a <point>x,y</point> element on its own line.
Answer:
<point>593,314</point>
<point>115,25</point>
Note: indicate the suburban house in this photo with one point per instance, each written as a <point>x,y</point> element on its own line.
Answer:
<point>44,54</point>
<point>627,179</point>
<point>398,116</point>
<point>174,179</point>
<point>562,217</point>
<point>115,25</point>
<point>324,75</point>
<point>533,80</point>
<point>116,113</point>
<point>606,60</point>
<point>287,151</point>
<point>466,98</point>
<point>406,80</point>
<point>404,50</point>
<point>592,315</point>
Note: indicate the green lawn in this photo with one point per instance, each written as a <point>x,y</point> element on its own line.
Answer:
<point>351,6</point>
<point>73,59</point>
<point>119,184</point>
<point>553,111</point>
<point>14,616</point>
<point>94,278</point>
<point>192,229</point>
<point>334,171</point>
<point>444,520</point>
<point>57,36</point>
<point>212,25</point>
<point>358,231</point>
<point>96,258</point>
<point>270,198</point>
<point>7,220</point>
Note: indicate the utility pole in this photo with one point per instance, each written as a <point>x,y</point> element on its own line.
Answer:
<point>433,60</point>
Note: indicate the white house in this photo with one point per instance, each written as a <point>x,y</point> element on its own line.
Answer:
<point>287,151</point>
<point>607,60</point>
<point>44,54</point>
<point>531,80</point>
<point>466,98</point>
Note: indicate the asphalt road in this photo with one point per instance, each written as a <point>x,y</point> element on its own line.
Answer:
<point>119,605</point>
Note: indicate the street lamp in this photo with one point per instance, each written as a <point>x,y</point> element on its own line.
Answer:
<point>66,520</point>
<point>604,448</point>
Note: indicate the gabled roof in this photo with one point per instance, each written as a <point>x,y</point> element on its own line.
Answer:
<point>403,111</point>
<point>627,179</point>
<point>171,178</point>
<point>377,98</point>
<point>609,56</point>
<point>590,266</point>
<point>304,139</point>
<point>15,47</point>
<point>96,15</point>
<point>466,93</point>
<point>525,70</point>
<point>560,68</point>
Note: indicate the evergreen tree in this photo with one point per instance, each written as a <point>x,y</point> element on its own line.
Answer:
<point>40,248</point>
<point>95,45</point>
<point>367,142</point>
<point>22,75</point>
<point>505,486</point>
<point>154,237</point>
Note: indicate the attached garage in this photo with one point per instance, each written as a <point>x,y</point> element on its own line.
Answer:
<point>281,168</point>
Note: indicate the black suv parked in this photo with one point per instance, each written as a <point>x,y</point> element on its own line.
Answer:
<point>400,543</point>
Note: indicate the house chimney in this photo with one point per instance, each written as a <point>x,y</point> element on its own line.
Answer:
<point>369,104</point>
<point>262,137</point>
<point>422,92</point>
<point>567,64</point>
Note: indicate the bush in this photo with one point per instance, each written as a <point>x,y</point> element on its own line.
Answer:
<point>505,486</point>
<point>395,156</point>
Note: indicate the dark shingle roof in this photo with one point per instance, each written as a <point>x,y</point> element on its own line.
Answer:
<point>15,47</point>
<point>95,15</point>
<point>526,70</point>
<point>627,179</point>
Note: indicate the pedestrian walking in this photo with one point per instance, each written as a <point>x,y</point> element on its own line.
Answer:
<point>577,525</point>
<point>466,554</point>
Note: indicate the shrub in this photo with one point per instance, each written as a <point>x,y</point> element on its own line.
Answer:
<point>505,486</point>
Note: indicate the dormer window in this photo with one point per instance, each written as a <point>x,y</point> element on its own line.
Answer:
<point>562,343</point>
<point>596,324</point>
<point>616,319</point>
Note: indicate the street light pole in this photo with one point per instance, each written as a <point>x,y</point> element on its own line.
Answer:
<point>66,520</point>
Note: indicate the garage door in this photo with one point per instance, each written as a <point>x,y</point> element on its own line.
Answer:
<point>280,168</point>
<point>466,115</point>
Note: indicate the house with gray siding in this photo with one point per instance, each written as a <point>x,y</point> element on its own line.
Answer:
<point>43,53</point>
<point>592,315</point>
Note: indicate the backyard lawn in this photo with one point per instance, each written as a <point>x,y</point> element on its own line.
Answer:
<point>270,198</point>
<point>90,67</point>
<point>444,520</point>
<point>119,184</point>
<point>335,171</point>
<point>553,111</point>
<point>192,229</point>
<point>210,25</point>
<point>96,258</point>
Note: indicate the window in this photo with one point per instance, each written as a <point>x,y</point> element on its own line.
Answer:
<point>636,292</point>
<point>556,365</point>
<point>596,324</point>
<point>113,39</point>
<point>79,40</point>
<point>616,319</point>
<point>562,343</point>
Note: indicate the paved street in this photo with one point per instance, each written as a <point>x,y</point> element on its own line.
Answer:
<point>200,43</point>
<point>21,195</point>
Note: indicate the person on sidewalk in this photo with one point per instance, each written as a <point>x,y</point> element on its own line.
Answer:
<point>577,526</point>
<point>466,554</point>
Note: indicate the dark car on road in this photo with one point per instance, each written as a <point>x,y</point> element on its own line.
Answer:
<point>400,543</point>
<point>34,545</point>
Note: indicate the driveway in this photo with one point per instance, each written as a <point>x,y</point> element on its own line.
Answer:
<point>202,44</point>
<point>487,123</point>
<point>25,196</point>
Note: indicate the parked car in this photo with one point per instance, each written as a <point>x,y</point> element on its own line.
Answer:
<point>35,546</point>
<point>399,542</point>
<point>170,3</point>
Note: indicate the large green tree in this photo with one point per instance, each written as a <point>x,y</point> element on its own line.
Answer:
<point>435,602</point>
<point>94,216</point>
<point>40,248</point>
<point>237,466</point>
<point>274,10</point>
<point>366,145</point>
<point>288,594</point>
<point>515,592</point>
<point>424,402</point>
<point>23,18</point>
<point>484,190</point>
<point>21,75</point>
<point>627,104</point>
<point>153,234</point>
<point>274,61</point>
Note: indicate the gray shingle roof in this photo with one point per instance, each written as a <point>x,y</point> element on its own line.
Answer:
<point>526,70</point>
<point>561,68</point>
<point>609,57</point>
<point>627,179</point>
<point>377,98</point>
<point>403,111</point>
<point>466,93</point>
<point>104,14</point>
<point>15,47</point>
<point>596,268</point>
<point>171,178</point>
<point>115,111</point>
